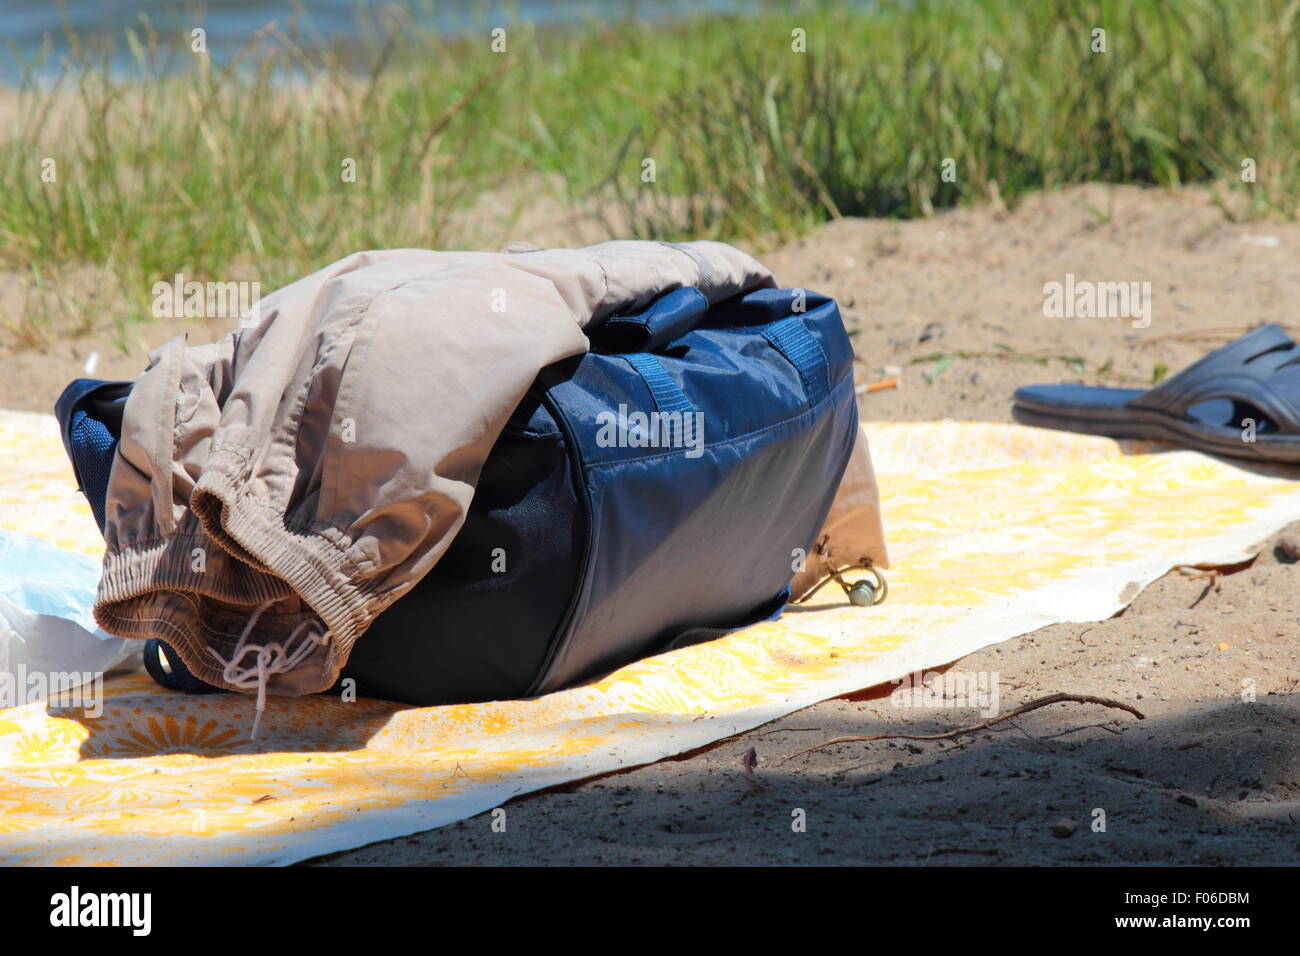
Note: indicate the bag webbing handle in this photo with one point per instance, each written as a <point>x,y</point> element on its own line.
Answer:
<point>667,394</point>
<point>791,338</point>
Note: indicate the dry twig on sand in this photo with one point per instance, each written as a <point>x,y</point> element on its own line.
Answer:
<point>1022,709</point>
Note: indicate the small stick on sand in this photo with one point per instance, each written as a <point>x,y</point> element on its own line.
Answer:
<point>1022,709</point>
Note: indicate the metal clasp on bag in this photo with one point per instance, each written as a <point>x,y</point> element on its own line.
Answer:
<point>864,592</point>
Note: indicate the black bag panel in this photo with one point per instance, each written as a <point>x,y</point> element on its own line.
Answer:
<point>467,632</point>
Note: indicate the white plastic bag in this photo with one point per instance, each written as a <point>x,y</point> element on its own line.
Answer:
<point>46,622</point>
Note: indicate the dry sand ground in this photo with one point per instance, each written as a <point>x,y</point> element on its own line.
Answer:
<point>1206,778</point>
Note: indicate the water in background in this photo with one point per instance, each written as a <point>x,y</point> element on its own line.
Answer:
<point>27,25</point>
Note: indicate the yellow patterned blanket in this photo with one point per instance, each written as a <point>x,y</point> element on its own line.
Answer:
<point>994,531</point>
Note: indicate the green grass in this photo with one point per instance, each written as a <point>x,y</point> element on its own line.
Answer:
<point>221,173</point>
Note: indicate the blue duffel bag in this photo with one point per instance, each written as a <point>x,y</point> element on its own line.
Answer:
<point>654,492</point>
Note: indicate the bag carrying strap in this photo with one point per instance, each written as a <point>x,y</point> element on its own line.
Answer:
<point>666,319</point>
<point>791,338</point>
<point>668,395</point>
<point>675,313</point>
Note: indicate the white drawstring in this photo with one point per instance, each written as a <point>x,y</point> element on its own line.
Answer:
<point>272,658</point>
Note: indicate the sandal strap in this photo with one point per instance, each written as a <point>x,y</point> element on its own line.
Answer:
<point>1261,368</point>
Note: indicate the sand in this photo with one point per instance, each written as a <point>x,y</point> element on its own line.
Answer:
<point>1206,778</point>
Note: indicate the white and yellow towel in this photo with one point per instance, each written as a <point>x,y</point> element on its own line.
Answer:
<point>994,531</point>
